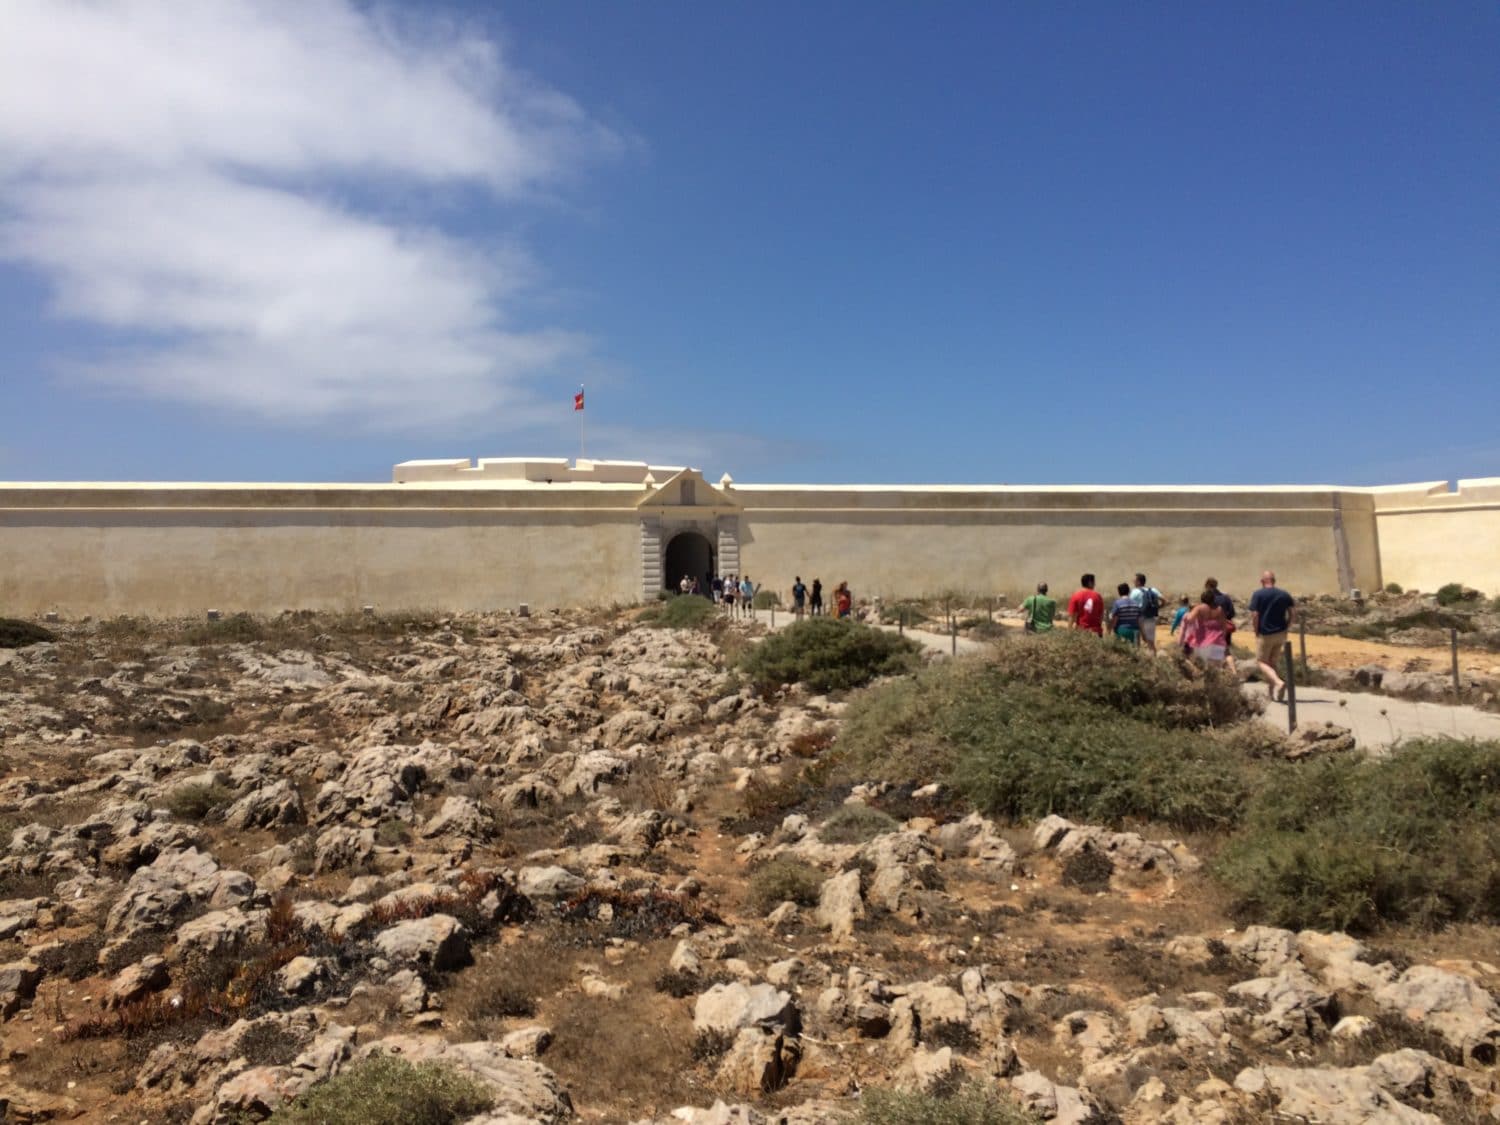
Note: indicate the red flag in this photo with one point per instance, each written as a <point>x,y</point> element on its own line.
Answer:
<point>578,401</point>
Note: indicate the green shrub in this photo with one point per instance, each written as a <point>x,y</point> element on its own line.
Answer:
<point>784,880</point>
<point>1452,593</point>
<point>1055,745</point>
<point>1075,666</point>
<point>18,634</point>
<point>236,629</point>
<point>855,824</point>
<point>972,1104</point>
<point>196,802</point>
<point>678,611</point>
<point>765,599</point>
<point>1348,844</point>
<point>1394,588</point>
<point>385,1090</point>
<point>827,654</point>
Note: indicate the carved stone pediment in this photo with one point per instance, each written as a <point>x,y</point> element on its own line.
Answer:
<point>687,493</point>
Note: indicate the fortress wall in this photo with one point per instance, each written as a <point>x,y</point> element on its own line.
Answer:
<point>180,549</point>
<point>1431,535</point>
<point>1003,541</point>
<point>181,552</point>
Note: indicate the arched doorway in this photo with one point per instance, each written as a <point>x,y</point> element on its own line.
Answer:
<point>688,553</point>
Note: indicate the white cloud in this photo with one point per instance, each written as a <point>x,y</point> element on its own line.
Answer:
<point>187,174</point>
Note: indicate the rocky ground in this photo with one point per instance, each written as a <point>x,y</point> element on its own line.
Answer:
<point>240,858</point>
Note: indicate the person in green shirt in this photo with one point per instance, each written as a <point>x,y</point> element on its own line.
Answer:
<point>1039,610</point>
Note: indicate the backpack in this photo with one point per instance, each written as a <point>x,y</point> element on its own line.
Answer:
<point>1150,603</point>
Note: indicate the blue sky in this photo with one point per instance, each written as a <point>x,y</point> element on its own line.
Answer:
<point>831,242</point>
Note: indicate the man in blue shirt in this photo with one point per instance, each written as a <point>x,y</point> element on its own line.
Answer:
<point>1149,600</point>
<point>1271,613</point>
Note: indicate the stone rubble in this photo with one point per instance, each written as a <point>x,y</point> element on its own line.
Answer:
<point>479,842</point>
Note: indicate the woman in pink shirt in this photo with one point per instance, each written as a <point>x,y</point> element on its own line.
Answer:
<point>1205,631</point>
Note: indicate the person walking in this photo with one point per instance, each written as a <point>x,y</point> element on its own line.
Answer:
<point>685,586</point>
<point>1226,605</point>
<point>815,599</point>
<point>1205,630</point>
<point>1125,616</point>
<point>799,597</point>
<point>1148,598</point>
<point>843,600</point>
<point>1086,607</point>
<point>1272,610</point>
<point>731,592</point>
<point>1183,605</point>
<point>1040,610</point>
<point>747,597</point>
<point>718,589</point>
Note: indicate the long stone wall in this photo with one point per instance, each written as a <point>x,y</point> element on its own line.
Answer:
<point>1431,534</point>
<point>1003,541</point>
<point>459,543</point>
<point>150,552</point>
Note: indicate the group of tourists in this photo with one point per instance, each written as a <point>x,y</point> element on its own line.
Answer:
<point>1204,630</point>
<point>809,600</point>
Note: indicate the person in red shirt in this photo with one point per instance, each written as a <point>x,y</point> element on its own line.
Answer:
<point>1086,607</point>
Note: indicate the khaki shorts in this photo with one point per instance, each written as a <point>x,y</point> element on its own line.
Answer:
<point>1268,647</point>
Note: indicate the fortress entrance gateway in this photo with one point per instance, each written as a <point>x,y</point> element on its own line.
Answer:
<point>688,553</point>
<point>688,526</point>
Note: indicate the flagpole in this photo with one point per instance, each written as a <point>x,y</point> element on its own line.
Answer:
<point>581,413</point>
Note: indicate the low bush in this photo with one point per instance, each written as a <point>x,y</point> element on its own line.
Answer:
<point>784,880</point>
<point>766,599</point>
<point>1131,681</point>
<point>855,824</point>
<point>679,611</point>
<point>18,634</point>
<point>1452,593</point>
<point>386,1090</point>
<point>198,802</point>
<point>1024,746</point>
<point>972,1104</point>
<point>1350,844</point>
<point>1394,588</point>
<point>827,654</point>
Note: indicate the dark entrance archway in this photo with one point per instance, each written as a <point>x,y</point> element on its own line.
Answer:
<point>688,553</point>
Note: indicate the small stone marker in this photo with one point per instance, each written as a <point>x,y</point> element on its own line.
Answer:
<point>213,615</point>
<point>50,618</point>
<point>367,610</point>
<point>523,610</point>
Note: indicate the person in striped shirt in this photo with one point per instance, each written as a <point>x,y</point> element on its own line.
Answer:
<point>1125,615</point>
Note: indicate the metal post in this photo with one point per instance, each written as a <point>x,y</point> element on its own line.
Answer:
<point>953,633</point>
<point>1457,684</point>
<point>1302,640</point>
<point>1291,692</point>
<point>901,621</point>
<point>773,618</point>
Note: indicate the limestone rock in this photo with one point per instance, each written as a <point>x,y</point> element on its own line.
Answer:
<point>18,981</point>
<point>548,883</point>
<point>1327,1095</point>
<point>840,904</point>
<point>341,847</point>
<point>267,806</point>
<point>523,1090</point>
<point>726,1008</point>
<point>1450,1004</point>
<point>460,816</point>
<point>439,942</point>
<point>760,1061</point>
<point>137,981</point>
